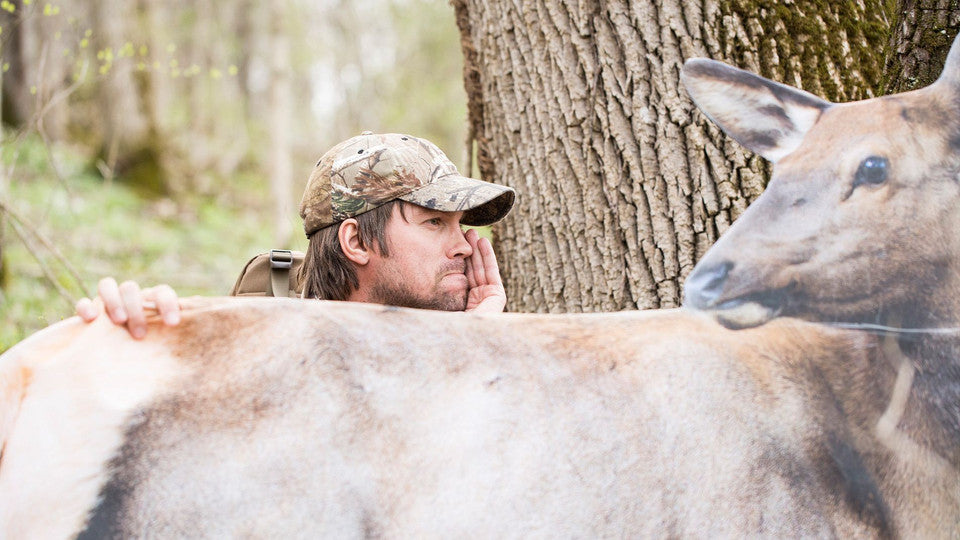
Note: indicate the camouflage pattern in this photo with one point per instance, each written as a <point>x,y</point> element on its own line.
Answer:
<point>369,170</point>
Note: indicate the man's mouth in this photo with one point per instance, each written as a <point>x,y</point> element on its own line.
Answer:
<point>454,269</point>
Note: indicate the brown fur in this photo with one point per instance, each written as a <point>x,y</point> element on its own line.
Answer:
<point>285,416</point>
<point>824,244</point>
<point>289,418</point>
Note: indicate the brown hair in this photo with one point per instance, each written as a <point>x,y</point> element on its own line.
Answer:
<point>327,273</point>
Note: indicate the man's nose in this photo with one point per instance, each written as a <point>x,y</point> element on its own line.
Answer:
<point>460,247</point>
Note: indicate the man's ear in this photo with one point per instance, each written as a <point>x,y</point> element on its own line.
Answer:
<point>353,248</point>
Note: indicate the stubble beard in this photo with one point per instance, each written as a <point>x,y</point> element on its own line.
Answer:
<point>394,292</point>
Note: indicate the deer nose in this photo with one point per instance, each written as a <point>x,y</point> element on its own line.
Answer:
<point>705,284</point>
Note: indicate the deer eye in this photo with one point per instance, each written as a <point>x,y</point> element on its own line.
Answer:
<point>872,170</point>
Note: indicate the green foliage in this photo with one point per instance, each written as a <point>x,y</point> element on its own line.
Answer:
<point>198,247</point>
<point>161,116</point>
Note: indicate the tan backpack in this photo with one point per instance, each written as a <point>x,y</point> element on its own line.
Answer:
<point>277,269</point>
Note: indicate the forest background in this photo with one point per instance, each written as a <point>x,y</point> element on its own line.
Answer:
<point>168,142</point>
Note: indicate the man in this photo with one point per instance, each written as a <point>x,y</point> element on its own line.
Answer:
<point>383,215</point>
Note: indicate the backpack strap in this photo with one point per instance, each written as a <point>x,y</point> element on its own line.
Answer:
<point>280,262</point>
<point>271,273</point>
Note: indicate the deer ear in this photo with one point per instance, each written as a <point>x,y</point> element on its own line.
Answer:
<point>768,118</point>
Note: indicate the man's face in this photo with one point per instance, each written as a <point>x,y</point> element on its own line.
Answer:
<point>425,268</point>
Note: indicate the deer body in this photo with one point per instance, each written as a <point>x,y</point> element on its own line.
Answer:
<point>286,418</point>
<point>338,419</point>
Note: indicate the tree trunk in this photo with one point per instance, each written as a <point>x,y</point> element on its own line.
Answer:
<point>623,185</point>
<point>281,110</point>
<point>21,55</point>
<point>920,42</point>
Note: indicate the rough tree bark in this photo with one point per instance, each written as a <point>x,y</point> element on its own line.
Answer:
<point>920,42</point>
<point>623,186</point>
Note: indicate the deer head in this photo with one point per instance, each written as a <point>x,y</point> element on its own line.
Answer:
<point>860,221</point>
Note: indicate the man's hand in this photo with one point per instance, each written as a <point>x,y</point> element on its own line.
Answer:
<point>486,293</point>
<point>125,305</point>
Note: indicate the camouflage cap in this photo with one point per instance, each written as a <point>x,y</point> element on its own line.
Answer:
<point>370,170</point>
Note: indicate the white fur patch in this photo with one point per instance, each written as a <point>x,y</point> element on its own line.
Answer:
<point>70,422</point>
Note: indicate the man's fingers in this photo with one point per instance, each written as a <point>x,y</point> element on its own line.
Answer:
<point>109,292</point>
<point>471,278</point>
<point>165,300</point>
<point>491,269</point>
<point>471,275</point>
<point>475,261</point>
<point>87,309</point>
<point>483,276</point>
<point>133,304</point>
<point>126,305</point>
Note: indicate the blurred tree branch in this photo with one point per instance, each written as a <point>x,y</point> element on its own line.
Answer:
<point>60,95</point>
<point>26,232</point>
<point>31,237</point>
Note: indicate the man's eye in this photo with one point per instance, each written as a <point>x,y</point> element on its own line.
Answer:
<point>434,221</point>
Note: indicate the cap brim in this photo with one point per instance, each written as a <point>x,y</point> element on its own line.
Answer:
<point>482,203</point>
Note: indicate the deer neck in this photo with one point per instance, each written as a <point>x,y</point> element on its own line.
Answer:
<point>923,404</point>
